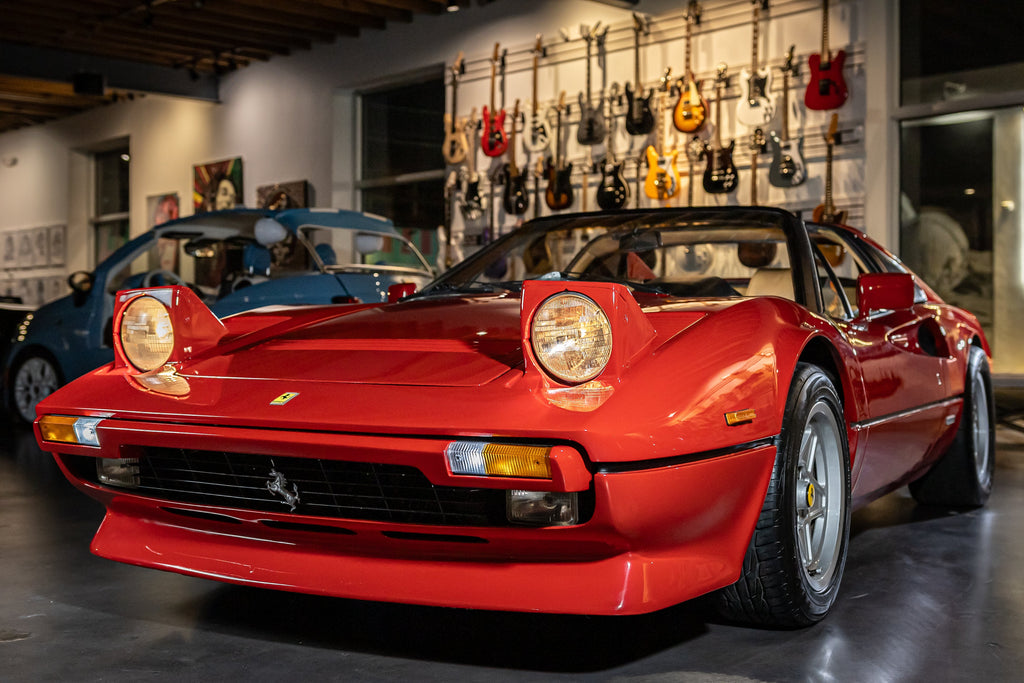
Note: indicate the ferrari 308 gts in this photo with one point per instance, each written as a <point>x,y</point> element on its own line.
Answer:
<point>597,414</point>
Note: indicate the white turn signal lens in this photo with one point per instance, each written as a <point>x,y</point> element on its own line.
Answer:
<point>147,335</point>
<point>68,429</point>
<point>571,337</point>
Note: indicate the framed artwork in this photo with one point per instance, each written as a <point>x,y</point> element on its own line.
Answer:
<point>161,208</point>
<point>40,248</point>
<point>10,249</point>
<point>217,185</point>
<point>55,244</point>
<point>25,251</point>
<point>290,195</point>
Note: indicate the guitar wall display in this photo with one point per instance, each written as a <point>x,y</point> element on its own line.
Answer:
<point>826,88</point>
<point>720,176</point>
<point>754,108</point>
<point>456,144</point>
<point>494,139</point>
<point>691,110</point>
<point>787,169</point>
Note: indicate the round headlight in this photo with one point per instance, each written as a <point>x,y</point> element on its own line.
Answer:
<point>147,335</point>
<point>571,337</point>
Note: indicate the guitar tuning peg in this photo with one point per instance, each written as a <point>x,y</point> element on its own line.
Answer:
<point>564,32</point>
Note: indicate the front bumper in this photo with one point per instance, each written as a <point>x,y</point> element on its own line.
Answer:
<point>657,534</point>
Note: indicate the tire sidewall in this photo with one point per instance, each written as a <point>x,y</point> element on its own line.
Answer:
<point>977,364</point>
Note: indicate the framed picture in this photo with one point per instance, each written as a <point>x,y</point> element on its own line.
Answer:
<point>25,251</point>
<point>10,249</point>
<point>161,208</point>
<point>55,244</point>
<point>217,186</point>
<point>290,195</point>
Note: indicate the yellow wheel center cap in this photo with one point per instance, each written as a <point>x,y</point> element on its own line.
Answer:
<point>810,495</point>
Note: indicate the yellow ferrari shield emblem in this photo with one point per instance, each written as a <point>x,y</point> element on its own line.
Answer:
<point>284,398</point>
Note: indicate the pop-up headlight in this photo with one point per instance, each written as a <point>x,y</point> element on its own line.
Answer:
<point>147,334</point>
<point>571,337</point>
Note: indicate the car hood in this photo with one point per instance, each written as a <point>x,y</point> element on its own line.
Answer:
<point>450,341</point>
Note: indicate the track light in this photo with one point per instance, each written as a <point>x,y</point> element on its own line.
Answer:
<point>452,6</point>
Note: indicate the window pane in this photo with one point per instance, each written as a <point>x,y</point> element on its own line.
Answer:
<point>403,130</point>
<point>109,236</point>
<point>417,205</point>
<point>112,182</point>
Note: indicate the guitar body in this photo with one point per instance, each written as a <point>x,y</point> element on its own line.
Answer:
<point>558,194</point>
<point>639,118</point>
<point>826,87</point>
<point>515,199</point>
<point>662,181</point>
<point>612,192</point>
<point>754,108</point>
<point>538,139</point>
<point>494,140</point>
<point>472,206</point>
<point>820,215</point>
<point>720,176</point>
<point>456,144</point>
<point>691,111</point>
<point>788,168</point>
<point>592,129</point>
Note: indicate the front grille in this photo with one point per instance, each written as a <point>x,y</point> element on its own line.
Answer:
<point>326,488</point>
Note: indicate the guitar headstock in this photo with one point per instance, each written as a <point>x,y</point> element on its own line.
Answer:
<point>497,53</point>
<point>722,77</point>
<point>693,12</point>
<point>472,121</point>
<point>757,142</point>
<point>833,128</point>
<point>538,47</point>
<point>760,4</point>
<point>666,79</point>
<point>561,101</point>
<point>459,67</point>
<point>641,23</point>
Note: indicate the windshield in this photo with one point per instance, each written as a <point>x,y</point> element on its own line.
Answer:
<point>667,253</point>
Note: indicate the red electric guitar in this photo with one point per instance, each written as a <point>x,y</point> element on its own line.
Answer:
<point>826,88</point>
<point>494,139</point>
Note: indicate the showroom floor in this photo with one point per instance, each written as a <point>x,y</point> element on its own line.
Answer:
<point>928,595</point>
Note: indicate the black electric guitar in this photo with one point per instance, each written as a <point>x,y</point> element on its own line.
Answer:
<point>639,118</point>
<point>827,212</point>
<point>788,168</point>
<point>456,144</point>
<point>515,198</point>
<point>559,193</point>
<point>472,206</point>
<point>612,191</point>
<point>539,139</point>
<point>754,108</point>
<point>720,175</point>
<point>592,129</point>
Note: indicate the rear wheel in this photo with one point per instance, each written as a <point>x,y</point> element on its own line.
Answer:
<point>963,475</point>
<point>34,378</point>
<point>795,561</point>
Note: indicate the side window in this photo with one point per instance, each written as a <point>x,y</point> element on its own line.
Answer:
<point>833,291</point>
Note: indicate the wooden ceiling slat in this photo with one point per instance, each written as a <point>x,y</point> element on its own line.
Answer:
<point>312,10</point>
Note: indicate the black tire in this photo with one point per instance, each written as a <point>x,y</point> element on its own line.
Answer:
<point>962,477</point>
<point>34,377</point>
<point>795,561</point>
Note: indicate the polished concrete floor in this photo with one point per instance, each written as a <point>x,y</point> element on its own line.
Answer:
<point>928,595</point>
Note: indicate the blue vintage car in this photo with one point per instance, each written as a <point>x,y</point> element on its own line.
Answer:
<point>235,260</point>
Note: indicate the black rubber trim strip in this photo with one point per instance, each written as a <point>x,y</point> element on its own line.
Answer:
<point>612,467</point>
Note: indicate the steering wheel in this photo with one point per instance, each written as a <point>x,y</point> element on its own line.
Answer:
<point>169,278</point>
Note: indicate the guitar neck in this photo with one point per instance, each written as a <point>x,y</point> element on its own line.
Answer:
<point>718,116</point>
<point>825,56</point>
<point>536,108</point>
<point>636,63</point>
<point>757,23</point>
<point>588,71</point>
<point>785,107</point>
<point>830,209</point>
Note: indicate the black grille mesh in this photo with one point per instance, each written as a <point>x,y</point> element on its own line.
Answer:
<point>327,488</point>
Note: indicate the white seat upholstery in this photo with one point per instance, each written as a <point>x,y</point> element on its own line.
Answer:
<point>772,282</point>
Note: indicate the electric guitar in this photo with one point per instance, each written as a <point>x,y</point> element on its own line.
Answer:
<point>826,212</point>
<point>558,195</point>
<point>691,110</point>
<point>754,108</point>
<point>539,139</point>
<point>720,174</point>
<point>639,119</point>
<point>694,151</point>
<point>788,168</point>
<point>757,145</point>
<point>515,199</point>
<point>662,180</point>
<point>449,197</point>
<point>494,140</point>
<point>591,130</point>
<point>472,206</point>
<point>826,88</point>
<point>455,142</point>
<point>538,173</point>
<point>612,191</point>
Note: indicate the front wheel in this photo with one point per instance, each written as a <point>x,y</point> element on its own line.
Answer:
<point>792,569</point>
<point>35,378</point>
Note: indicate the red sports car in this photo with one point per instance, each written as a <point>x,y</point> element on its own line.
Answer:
<point>597,413</point>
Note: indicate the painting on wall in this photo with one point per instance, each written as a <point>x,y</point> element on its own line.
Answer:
<point>55,244</point>
<point>290,195</point>
<point>217,186</point>
<point>161,208</point>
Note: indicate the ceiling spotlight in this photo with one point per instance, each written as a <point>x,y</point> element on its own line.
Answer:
<point>452,6</point>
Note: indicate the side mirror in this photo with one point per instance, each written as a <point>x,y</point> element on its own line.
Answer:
<point>400,291</point>
<point>80,282</point>
<point>884,292</point>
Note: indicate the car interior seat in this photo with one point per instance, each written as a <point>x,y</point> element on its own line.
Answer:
<point>772,282</point>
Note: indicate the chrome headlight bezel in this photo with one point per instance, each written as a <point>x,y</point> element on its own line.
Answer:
<point>146,333</point>
<point>571,337</point>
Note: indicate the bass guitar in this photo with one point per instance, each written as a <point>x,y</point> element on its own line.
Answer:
<point>592,130</point>
<point>612,191</point>
<point>456,145</point>
<point>662,180</point>
<point>691,110</point>
<point>754,108</point>
<point>472,206</point>
<point>827,212</point>
<point>788,168</point>
<point>639,119</point>
<point>539,139</point>
<point>826,87</point>
<point>559,195</point>
<point>757,146</point>
<point>494,139</point>
<point>720,175</point>
<point>515,198</point>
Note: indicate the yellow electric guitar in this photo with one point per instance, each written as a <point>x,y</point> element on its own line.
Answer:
<point>662,180</point>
